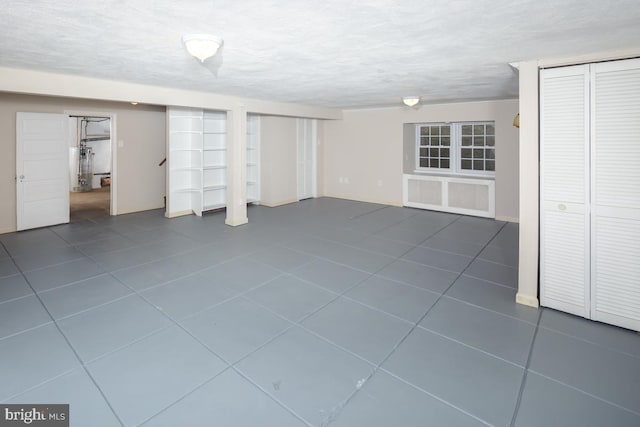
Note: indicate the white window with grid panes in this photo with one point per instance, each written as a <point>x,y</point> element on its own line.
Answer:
<point>465,148</point>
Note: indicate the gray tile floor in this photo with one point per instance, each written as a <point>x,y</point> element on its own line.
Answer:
<point>324,312</point>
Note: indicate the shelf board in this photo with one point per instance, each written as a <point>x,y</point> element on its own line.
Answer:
<point>215,187</point>
<point>252,182</point>
<point>185,149</point>
<point>212,167</point>
<point>186,170</point>
<point>186,190</point>
<point>212,207</point>
<point>252,164</point>
<point>91,138</point>
<point>215,149</point>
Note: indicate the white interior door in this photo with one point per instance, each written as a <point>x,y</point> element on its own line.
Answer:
<point>306,158</point>
<point>42,178</point>
<point>564,190</point>
<point>615,193</point>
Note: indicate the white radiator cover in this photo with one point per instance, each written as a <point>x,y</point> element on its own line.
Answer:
<point>467,196</point>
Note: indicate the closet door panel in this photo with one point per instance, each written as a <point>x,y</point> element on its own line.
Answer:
<point>563,269</point>
<point>564,154</point>
<point>615,186</point>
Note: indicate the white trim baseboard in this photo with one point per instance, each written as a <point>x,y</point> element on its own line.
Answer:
<point>527,300</point>
<point>6,230</point>
<point>508,219</point>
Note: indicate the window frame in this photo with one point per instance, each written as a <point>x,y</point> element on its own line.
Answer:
<point>418,146</point>
<point>455,150</point>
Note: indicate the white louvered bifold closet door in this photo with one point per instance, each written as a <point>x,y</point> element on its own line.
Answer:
<point>615,196</point>
<point>564,219</point>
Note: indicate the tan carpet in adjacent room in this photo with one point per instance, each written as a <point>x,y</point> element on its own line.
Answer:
<point>90,204</point>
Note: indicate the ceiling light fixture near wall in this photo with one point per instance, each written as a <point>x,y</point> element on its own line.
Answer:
<point>411,101</point>
<point>202,46</point>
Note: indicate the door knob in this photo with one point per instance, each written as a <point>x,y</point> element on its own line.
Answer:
<point>21,176</point>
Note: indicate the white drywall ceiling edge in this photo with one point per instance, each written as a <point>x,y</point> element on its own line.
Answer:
<point>52,84</point>
<point>609,55</point>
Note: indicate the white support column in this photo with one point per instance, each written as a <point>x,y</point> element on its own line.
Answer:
<point>237,166</point>
<point>529,178</point>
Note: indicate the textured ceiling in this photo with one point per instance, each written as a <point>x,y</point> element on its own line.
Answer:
<point>336,53</point>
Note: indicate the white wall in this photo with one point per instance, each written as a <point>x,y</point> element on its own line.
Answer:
<point>31,82</point>
<point>363,152</point>
<point>278,161</point>
<point>140,184</point>
<point>53,84</point>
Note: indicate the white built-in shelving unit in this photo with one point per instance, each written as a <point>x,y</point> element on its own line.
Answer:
<point>196,161</point>
<point>214,160</point>
<point>253,158</point>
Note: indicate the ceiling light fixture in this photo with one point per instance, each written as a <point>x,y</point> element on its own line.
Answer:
<point>202,46</point>
<point>411,101</point>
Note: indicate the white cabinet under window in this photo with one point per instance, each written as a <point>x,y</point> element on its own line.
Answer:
<point>590,191</point>
<point>196,161</point>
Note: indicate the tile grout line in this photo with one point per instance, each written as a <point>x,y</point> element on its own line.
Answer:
<point>395,259</point>
<point>438,398</point>
<point>368,213</point>
<point>136,246</point>
<point>479,350</point>
<point>338,408</point>
<point>298,323</point>
<point>332,417</point>
<point>602,346</point>
<point>40,384</point>
<point>113,273</point>
<point>55,264</point>
<point>243,295</point>
<point>229,365</point>
<point>523,382</point>
<point>84,367</point>
<point>593,396</point>
<point>273,398</point>
<point>413,246</point>
<point>531,323</point>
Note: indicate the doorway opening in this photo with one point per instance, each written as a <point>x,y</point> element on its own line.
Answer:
<point>90,167</point>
